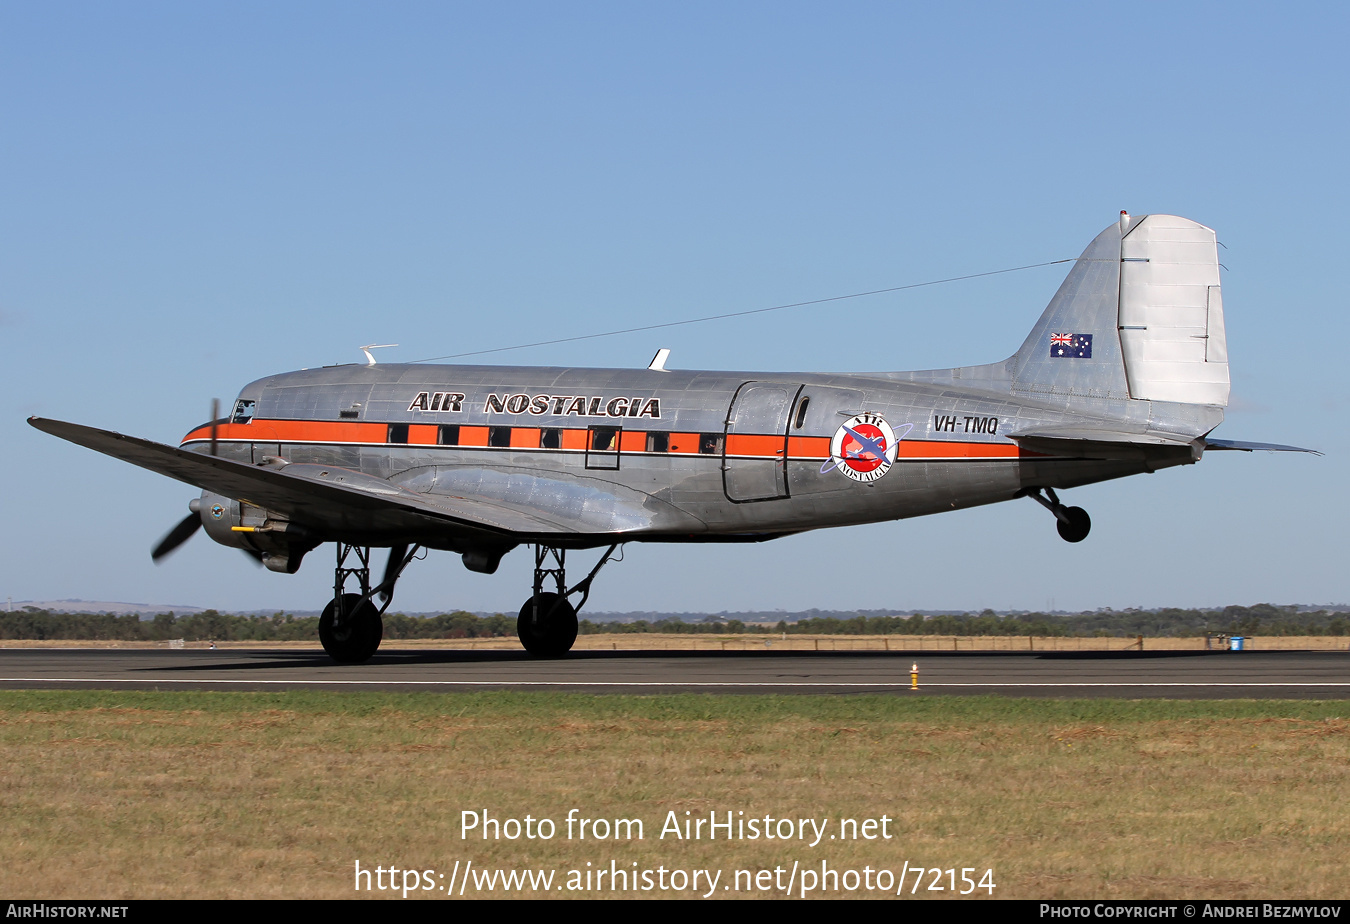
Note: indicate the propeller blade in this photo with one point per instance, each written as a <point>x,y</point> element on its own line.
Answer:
<point>177,536</point>
<point>215,423</point>
<point>396,555</point>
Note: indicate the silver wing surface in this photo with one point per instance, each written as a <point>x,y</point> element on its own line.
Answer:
<point>465,504</point>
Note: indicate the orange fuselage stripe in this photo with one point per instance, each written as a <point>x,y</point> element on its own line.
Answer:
<point>576,439</point>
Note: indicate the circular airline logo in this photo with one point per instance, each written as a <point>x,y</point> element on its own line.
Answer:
<point>217,511</point>
<point>864,448</point>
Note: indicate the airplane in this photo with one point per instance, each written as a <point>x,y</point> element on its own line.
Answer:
<point>1125,372</point>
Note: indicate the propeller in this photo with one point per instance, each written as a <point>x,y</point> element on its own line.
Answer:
<point>392,568</point>
<point>215,425</point>
<point>177,536</point>
<point>193,521</point>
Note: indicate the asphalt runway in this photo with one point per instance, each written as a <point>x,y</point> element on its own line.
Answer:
<point>1170,674</point>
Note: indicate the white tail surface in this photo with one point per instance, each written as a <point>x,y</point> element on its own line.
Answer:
<point>1171,312</point>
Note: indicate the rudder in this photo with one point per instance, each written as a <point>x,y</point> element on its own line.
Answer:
<point>1171,312</point>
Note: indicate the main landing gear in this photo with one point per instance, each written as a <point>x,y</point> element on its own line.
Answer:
<point>547,624</point>
<point>1073,523</point>
<point>350,627</point>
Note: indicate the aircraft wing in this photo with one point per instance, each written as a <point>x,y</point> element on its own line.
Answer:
<point>338,499</point>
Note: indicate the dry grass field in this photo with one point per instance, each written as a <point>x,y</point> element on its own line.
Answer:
<point>241,795</point>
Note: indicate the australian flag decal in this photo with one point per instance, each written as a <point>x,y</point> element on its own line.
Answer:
<point>1071,346</point>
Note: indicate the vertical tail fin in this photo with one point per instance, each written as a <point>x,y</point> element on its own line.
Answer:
<point>1140,316</point>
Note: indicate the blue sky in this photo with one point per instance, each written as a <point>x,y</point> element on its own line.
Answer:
<point>192,197</point>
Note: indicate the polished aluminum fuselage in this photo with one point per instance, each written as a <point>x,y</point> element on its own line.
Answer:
<point>685,456</point>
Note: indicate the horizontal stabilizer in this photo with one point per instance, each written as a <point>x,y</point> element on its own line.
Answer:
<point>1241,446</point>
<point>1107,446</point>
<point>1101,436</point>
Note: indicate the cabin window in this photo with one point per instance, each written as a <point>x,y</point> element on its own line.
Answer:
<point>658,442</point>
<point>499,437</point>
<point>710,444</point>
<point>604,439</point>
<point>448,434</point>
<point>800,419</point>
<point>602,448</point>
<point>398,433</point>
<point>243,411</point>
<point>550,438</point>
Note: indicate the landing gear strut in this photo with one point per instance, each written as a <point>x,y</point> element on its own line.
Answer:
<point>547,624</point>
<point>1073,523</point>
<point>350,627</point>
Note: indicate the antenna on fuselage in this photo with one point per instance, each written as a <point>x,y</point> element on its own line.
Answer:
<point>370,360</point>
<point>658,363</point>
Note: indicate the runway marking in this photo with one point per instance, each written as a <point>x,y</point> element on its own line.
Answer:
<point>677,683</point>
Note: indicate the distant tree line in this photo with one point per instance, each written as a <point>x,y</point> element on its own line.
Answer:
<point>1262,619</point>
<point>33,623</point>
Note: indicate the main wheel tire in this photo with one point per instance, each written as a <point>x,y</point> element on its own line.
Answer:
<point>359,635</point>
<point>1078,527</point>
<point>547,625</point>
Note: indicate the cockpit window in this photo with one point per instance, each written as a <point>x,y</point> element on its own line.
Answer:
<point>243,411</point>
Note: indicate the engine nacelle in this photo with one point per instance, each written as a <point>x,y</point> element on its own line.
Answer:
<point>281,544</point>
<point>484,561</point>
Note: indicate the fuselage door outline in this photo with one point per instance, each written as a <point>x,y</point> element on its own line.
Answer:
<point>754,450</point>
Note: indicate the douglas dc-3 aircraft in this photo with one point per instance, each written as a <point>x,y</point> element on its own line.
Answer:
<point>1125,372</point>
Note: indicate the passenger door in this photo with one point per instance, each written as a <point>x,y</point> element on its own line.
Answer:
<point>754,453</point>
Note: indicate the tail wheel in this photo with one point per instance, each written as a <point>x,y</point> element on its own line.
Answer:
<point>547,625</point>
<point>358,634</point>
<point>1078,526</point>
